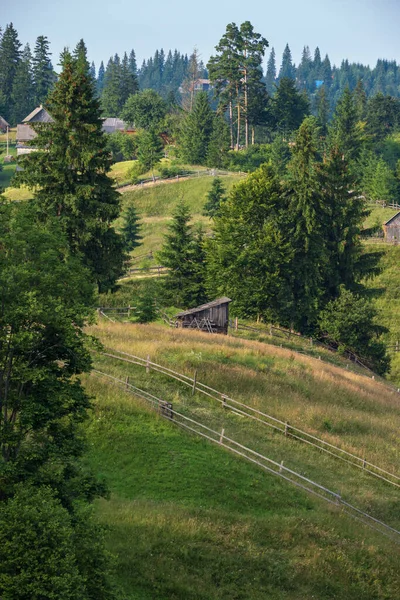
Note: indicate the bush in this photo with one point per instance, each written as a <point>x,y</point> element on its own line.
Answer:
<point>167,172</point>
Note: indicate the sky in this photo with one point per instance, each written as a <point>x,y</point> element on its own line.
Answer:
<point>360,30</point>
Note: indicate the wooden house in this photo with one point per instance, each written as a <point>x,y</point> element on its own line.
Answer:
<point>3,125</point>
<point>26,134</point>
<point>212,317</point>
<point>391,229</point>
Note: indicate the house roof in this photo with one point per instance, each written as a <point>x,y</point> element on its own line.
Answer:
<point>218,302</point>
<point>38,114</point>
<point>3,123</point>
<point>392,219</point>
<point>111,124</point>
<point>25,133</point>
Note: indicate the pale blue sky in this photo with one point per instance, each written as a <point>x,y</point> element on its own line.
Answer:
<point>360,30</point>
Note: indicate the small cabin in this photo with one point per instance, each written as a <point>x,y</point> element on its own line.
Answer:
<point>25,133</point>
<point>212,317</point>
<point>3,125</point>
<point>391,229</point>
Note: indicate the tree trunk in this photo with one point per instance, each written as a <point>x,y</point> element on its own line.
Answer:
<point>231,121</point>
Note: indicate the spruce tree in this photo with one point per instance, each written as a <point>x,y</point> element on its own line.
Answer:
<point>131,228</point>
<point>215,197</point>
<point>218,145</point>
<point>270,76</point>
<point>149,150</point>
<point>69,173</point>
<point>288,107</point>
<point>10,56</point>
<point>100,79</point>
<point>344,131</point>
<point>287,69</point>
<point>42,69</point>
<point>197,129</point>
<point>322,106</point>
<point>111,97</point>
<point>180,253</point>
<point>128,84</point>
<point>22,92</point>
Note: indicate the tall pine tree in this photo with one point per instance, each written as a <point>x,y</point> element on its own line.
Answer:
<point>43,77</point>
<point>10,56</point>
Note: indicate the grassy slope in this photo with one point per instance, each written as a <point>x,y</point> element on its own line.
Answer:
<point>189,521</point>
<point>155,205</point>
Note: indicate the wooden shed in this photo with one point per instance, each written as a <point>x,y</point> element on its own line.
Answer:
<point>392,229</point>
<point>3,125</point>
<point>212,317</point>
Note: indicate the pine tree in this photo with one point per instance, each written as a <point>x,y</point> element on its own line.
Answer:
<point>322,106</point>
<point>270,76</point>
<point>317,64</point>
<point>149,150</point>
<point>288,107</point>
<point>344,131</point>
<point>43,77</point>
<point>196,131</point>
<point>128,84</point>
<point>131,228</point>
<point>287,69</point>
<point>360,100</point>
<point>326,72</point>
<point>69,173</point>
<point>93,71</point>
<point>22,92</point>
<point>145,110</point>
<point>10,55</point>
<point>304,68</point>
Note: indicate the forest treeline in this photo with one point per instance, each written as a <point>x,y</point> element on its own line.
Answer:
<point>26,76</point>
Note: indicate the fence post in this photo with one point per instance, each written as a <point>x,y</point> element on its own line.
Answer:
<point>286,428</point>
<point>281,466</point>
<point>127,383</point>
<point>236,323</point>
<point>148,364</point>
<point>194,382</point>
<point>270,330</point>
<point>311,342</point>
<point>223,401</point>
<point>221,436</point>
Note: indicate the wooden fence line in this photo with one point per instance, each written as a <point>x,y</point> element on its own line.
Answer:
<point>284,427</point>
<point>272,466</point>
<point>183,175</point>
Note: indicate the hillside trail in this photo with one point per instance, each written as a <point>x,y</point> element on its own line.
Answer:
<point>129,188</point>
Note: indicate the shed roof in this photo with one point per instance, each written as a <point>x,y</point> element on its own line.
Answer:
<point>218,302</point>
<point>3,123</point>
<point>392,219</point>
<point>38,114</point>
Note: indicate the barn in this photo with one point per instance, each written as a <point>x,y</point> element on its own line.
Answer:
<point>392,229</point>
<point>212,317</point>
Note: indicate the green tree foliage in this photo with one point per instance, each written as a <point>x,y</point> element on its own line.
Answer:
<point>10,56</point>
<point>129,83</point>
<point>197,130</point>
<point>110,96</point>
<point>43,77</point>
<point>183,254</point>
<point>215,197</point>
<point>22,90</point>
<point>345,131</point>
<point>360,100</point>
<point>145,110</point>
<point>305,221</point>
<point>69,174</point>
<point>149,150</point>
<point>121,146</point>
<point>100,79</point>
<point>379,182</point>
<point>218,145</point>
<point>45,298</point>
<point>248,256</point>
<point>349,324</point>
<point>270,76</point>
<point>131,228</point>
<point>288,107</point>
<point>287,70</point>
<point>383,116</point>
<point>322,106</point>
<point>146,311</point>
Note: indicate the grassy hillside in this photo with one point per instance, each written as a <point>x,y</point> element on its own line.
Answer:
<point>187,520</point>
<point>155,205</point>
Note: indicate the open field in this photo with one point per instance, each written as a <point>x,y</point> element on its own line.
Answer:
<point>188,520</point>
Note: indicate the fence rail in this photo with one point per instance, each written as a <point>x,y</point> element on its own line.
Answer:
<point>182,175</point>
<point>283,427</point>
<point>271,466</point>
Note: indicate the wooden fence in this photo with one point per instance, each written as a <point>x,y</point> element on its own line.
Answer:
<point>166,410</point>
<point>278,425</point>
<point>183,175</point>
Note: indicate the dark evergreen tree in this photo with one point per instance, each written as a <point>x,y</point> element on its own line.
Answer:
<point>128,84</point>
<point>131,228</point>
<point>383,116</point>
<point>317,64</point>
<point>344,131</point>
<point>111,97</point>
<point>133,64</point>
<point>93,71</point>
<point>287,70</point>
<point>69,173</point>
<point>196,132</point>
<point>22,91</point>
<point>180,253</point>
<point>100,79</point>
<point>360,101</point>
<point>322,109</point>
<point>288,107</point>
<point>270,76</point>
<point>304,69</point>
<point>326,72</point>
<point>215,196</point>
<point>149,150</point>
<point>218,145</point>
<point>43,77</point>
<point>10,55</point>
